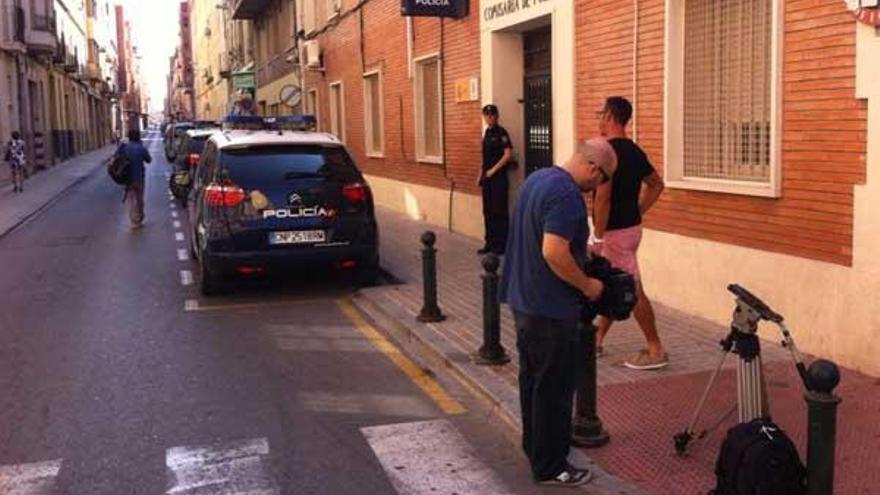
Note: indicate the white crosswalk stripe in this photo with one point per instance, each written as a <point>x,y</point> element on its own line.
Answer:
<point>431,457</point>
<point>37,478</point>
<point>233,468</point>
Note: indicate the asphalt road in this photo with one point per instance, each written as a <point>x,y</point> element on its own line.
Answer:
<point>117,378</point>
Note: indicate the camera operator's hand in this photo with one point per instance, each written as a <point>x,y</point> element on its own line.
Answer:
<point>593,289</point>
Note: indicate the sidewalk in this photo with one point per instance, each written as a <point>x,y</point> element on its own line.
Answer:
<point>641,410</point>
<point>43,187</point>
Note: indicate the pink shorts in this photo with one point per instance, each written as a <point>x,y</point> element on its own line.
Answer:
<point>621,248</point>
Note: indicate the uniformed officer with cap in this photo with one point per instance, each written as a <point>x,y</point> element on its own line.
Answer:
<point>497,155</point>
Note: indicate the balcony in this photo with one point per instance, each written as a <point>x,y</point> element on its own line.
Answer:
<point>277,67</point>
<point>93,72</point>
<point>249,9</point>
<point>12,28</point>
<point>40,38</point>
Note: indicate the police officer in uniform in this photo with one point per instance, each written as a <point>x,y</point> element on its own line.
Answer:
<point>497,154</point>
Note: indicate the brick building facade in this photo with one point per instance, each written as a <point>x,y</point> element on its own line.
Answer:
<point>758,113</point>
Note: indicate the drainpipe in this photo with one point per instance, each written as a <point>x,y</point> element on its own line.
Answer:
<point>635,65</point>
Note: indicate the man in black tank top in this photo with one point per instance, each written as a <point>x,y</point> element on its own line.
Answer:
<point>618,207</point>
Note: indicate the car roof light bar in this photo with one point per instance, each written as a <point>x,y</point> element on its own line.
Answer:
<point>280,123</point>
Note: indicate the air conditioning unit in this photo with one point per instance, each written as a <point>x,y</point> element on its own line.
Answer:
<point>313,54</point>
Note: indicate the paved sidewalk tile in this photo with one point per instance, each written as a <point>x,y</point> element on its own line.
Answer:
<point>41,188</point>
<point>642,410</point>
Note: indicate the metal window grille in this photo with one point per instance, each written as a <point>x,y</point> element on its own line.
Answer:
<point>373,113</point>
<point>727,89</point>
<point>336,117</point>
<point>428,100</point>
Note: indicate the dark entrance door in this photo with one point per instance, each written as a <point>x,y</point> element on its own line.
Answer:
<point>538,100</point>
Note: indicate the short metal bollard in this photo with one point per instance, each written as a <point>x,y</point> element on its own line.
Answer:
<point>587,431</point>
<point>430,311</point>
<point>491,352</point>
<point>824,376</point>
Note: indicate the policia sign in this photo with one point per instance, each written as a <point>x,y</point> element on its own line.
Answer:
<point>434,8</point>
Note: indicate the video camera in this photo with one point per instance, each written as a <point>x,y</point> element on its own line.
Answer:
<point>619,297</point>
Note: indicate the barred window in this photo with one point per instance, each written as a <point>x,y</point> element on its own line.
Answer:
<point>373,113</point>
<point>428,110</point>
<point>723,95</point>
<point>337,111</point>
<point>727,89</point>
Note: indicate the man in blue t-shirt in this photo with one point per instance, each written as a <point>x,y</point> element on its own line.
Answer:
<point>544,284</point>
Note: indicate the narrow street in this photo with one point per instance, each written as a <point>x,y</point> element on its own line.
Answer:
<point>117,378</point>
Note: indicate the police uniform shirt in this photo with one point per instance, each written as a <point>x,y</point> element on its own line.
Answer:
<point>495,141</point>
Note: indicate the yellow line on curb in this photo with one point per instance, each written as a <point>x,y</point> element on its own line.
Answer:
<point>418,376</point>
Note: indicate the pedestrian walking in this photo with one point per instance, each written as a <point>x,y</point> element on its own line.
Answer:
<point>493,181</point>
<point>15,157</point>
<point>617,219</point>
<point>137,155</point>
<point>544,284</point>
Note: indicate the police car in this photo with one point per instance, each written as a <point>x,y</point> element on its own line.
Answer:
<point>271,195</point>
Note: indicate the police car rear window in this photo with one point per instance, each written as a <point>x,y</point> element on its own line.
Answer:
<point>280,164</point>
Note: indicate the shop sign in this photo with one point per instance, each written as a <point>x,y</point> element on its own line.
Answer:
<point>244,80</point>
<point>866,11</point>
<point>434,8</point>
<point>501,8</point>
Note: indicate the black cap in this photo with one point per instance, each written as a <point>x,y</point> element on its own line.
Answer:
<point>490,109</point>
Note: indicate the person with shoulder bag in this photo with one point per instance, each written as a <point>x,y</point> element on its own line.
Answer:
<point>136,155</point>
<point>15,157</point>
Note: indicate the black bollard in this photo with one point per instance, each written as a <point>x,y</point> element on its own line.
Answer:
<point>823,377</point>
<point>430,311</point>
<point>587,431</point>
<point>492,352</point>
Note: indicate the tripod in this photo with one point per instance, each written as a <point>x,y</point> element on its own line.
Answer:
<point>743,341</point>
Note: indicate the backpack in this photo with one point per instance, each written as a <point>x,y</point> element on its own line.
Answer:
<point>118,168</point>
<point>758,458</point>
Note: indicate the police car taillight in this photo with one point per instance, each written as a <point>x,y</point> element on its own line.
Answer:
<point>355,193</point>
<point>224,195</point>
<point>193,159</point>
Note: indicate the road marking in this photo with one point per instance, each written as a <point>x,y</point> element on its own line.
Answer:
<point>232,468</point>
<point>375,404</point>
<point>178,236</point>
<point>173,214</point>
<point>422,379</point>
<point>173,206</point>
<point>182,255</point>
<point>431,457</point>
<point>186,277</point>
<point>176,224</point>
<point>194,305</point>
<point>37,478</point>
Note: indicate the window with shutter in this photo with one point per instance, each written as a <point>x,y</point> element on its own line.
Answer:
<point>429,137</point>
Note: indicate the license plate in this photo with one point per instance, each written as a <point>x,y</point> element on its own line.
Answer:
<point>297,237</point>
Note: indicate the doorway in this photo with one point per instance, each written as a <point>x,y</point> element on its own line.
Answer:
<point>537,99</point>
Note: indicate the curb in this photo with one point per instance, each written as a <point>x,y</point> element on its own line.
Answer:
<point>479,380</point>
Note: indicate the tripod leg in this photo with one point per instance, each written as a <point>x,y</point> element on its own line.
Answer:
<point>700,405</point>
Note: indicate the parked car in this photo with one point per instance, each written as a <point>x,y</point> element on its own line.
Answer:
<point>188,154</point>
<point>172,137</point>
<point>280,200</point>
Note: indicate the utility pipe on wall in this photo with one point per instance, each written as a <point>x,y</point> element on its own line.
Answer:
<point>635,65</point>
